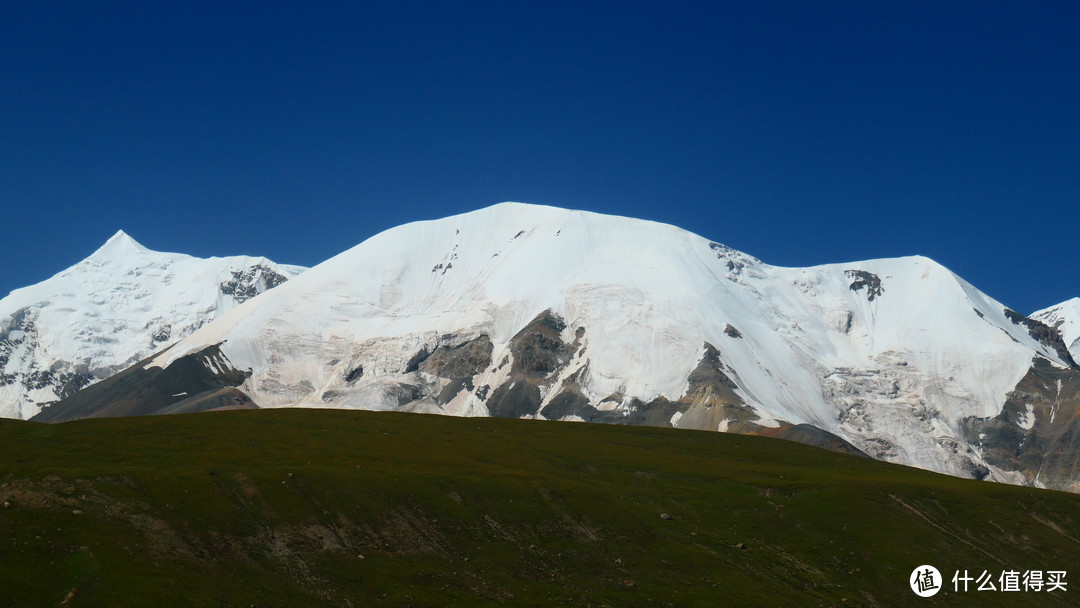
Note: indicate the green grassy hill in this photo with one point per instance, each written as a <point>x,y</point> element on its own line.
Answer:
<point>347,508</point>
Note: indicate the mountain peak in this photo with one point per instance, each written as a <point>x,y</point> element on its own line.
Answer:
<point>119,244</point>
<point>524,310</point>
<point>1068,308</point>
<point>113,308</point>
<point>1065,318</point>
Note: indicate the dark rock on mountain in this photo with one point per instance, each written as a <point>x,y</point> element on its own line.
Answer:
<point>250,282</point>
<point>1037,432</point>
<point>355,374</point>
<point>865,280</point>
<point>1050,336</point>
<point>211,401</point>
<point>538,349</point>
<point>191,383</point>
<point>456,362</point>
<point>516,398</point>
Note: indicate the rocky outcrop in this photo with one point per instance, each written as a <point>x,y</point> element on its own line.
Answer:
<point>710,403</point>
<point>869,281</point>
<point>1065,319</point>
<point>536,352</point>
<point>710,397</point>
<point>1037,431</point>
<point>543,372</point>
<point>457,362</point>
<point>212,401</point>
<point>1046,335</point>
<point>191,383</point>
<point>21,369</point>
<point>250,282</point>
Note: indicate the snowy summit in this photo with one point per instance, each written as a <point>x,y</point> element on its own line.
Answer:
<point>532,311</point>
<point>119,305</point>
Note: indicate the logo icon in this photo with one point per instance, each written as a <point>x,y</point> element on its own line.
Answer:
<point>925,581</point>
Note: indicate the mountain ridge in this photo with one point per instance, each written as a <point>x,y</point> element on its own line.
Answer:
<point>539,312</point>
<point>1064,317</point>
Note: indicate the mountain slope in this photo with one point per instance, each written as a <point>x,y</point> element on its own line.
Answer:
<point>337,508</point>
<point>1065,318</point>
<point>110,310</point>
<point>528,311</point>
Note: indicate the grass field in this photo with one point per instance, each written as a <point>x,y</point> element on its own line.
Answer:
<point>348,508</point>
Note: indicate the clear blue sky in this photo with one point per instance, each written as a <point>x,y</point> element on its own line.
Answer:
<point>799,132</point>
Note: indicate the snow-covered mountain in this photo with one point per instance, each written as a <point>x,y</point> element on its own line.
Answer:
<point>530,311</point>
<point>1065,318</point>
<point>117,306</point>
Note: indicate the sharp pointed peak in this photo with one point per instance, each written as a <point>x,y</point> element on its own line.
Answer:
<point>119,244</point>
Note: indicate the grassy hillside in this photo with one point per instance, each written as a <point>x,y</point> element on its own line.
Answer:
<point>346,508</point>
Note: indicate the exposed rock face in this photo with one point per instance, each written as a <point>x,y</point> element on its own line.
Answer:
<point>18,346</point>
<point>710,396</point>
<point>192,383</point>
<point>1037,432</point>
<point>18,350</point>
<point>540,374</point>
<point>865,280</point>
<point>537,351</point>
<point>540,353</point>
<point>536,312</point>
<point>1065,319</point>
<point>1042,332</point>
<point>250,282</point>
<point>459,362</point>
<point>212,401</point>
<point>355,374</point>
<point>515,399</point>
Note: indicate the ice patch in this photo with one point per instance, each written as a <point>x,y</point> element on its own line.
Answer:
<point>1026,420</point>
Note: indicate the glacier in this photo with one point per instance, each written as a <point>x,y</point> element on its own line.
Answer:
<point>899,357</point>
<point>540,312</point>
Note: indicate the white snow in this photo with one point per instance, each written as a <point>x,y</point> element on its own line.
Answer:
<point>1026,420</point>
<point>1065,317</point>
<point>895,373</point>
<point>904,368</point>
<point>99,315</point>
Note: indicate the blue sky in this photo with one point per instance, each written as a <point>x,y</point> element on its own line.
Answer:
<point>799,132</point>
